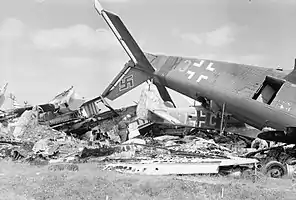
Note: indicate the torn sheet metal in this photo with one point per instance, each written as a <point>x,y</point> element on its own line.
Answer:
<point>199,166</point>
<point>27,120</point>
<point>68,100</point>
<point>167,168</point>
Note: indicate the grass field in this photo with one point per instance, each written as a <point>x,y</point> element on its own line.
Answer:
<point>21,181</point>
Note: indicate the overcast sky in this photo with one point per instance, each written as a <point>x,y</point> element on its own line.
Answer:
<point>48,45</point>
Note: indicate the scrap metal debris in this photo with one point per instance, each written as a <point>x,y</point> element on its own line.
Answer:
<point>59,140</point>
<point>41,145</point>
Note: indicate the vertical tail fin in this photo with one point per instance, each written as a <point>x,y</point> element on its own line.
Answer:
<point>125,39</point>
<point>292,76</point>
<point>135,72</point>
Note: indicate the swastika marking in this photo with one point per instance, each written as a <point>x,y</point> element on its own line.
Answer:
<point>126,83</point>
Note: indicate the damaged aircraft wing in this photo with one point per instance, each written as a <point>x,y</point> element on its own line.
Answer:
<point>68,100</point>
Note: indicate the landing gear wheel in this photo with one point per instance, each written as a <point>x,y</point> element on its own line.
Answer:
<point>274,169</point>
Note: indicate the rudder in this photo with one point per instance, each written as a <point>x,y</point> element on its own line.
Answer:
<point>125,39</point>
<point>138,70</point>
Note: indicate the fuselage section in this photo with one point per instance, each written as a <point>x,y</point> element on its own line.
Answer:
<point>257,96</point>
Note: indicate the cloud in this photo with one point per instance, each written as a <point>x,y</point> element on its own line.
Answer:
<point>74,63</point>
<point>192,37</point>
<point>76,55</point>
<point>11,29</point>
<point>80,35</point>
<point>219,37</point>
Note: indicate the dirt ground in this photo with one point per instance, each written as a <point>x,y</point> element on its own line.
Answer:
<point>22,181</point>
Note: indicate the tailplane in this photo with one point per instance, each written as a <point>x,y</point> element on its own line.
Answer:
<point>128,78</point>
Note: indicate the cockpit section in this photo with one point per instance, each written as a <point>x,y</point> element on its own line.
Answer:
<point>268,90</point>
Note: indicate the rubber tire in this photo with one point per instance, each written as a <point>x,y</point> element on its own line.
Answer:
<point>259,142</point>
<point>266,169</point>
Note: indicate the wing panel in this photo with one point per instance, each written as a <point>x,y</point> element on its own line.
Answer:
<point>164,115</point>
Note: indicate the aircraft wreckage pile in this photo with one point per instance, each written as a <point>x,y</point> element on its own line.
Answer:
<point>26,139</point>
<point>155,137</point>
<point>41,144</point>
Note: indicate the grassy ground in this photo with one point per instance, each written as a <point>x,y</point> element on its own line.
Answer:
<point>20,181</point>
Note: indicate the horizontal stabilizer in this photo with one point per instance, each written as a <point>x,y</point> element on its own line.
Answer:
<point>128,79</point>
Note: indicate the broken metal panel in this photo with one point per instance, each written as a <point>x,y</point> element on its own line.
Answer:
<point>238,161</point>
<point>15,104</point>
<point>53,120</point>
<point>2,94</point>
<point>17,112</point>
<point>149,100</point>
<point>91,108</point>
<point>63,97</point>
<point>167,168</point>
<point>68,100</point>
<point>27,119</point>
